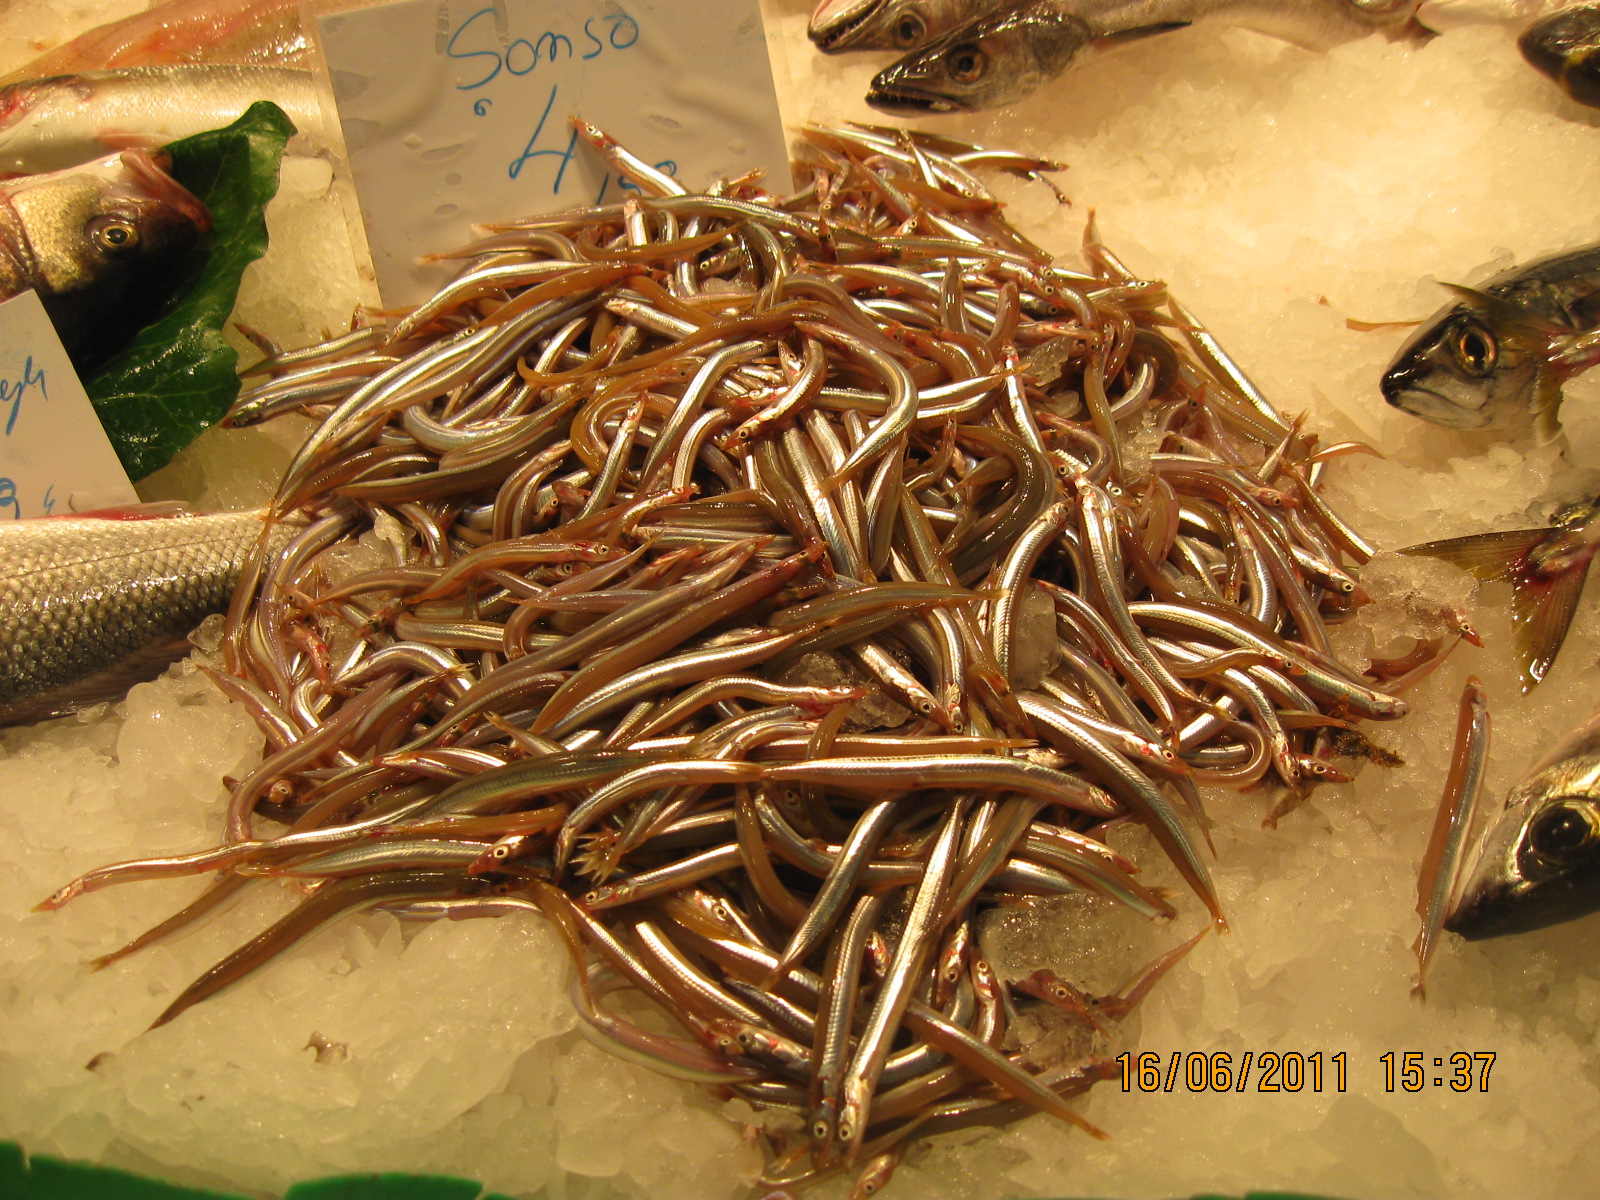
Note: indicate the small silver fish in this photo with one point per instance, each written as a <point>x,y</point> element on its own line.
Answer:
<point>1566,47</point>
<point>1500,355</point>
<point>1003,53</point>
<point>90,606</point>
<point>102,245</point>
<point>1540,864</point>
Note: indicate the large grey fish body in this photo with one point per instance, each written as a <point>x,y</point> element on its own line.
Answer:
<point>89,607</point>
<point>1540,864</point>
<point>1500,355</point>
<point>103,244</point>
<point>1566,47</point>
<point>48,124</point>
<point>1005,52</point>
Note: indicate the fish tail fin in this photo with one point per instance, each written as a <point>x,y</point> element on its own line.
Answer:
<point>1541,611</point>
<point>1542,600</point>
<point>1492,557</point>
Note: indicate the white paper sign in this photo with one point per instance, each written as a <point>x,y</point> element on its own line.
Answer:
<point>54,456</point>
<point>456,111</point>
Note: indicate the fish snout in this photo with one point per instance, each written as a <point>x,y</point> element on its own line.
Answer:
<point>1485,911</point>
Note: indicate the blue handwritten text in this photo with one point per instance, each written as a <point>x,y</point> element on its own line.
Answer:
<point>614,30</point>
<point>12,391</point>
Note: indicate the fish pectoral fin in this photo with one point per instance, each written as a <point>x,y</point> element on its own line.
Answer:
<point>1489,556</point>
<point>1545,407</point>
<point>1541,611</point>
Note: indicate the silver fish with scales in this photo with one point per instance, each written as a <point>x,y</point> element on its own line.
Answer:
<point>91,606</point>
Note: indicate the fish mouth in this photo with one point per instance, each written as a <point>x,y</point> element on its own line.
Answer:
<point>892,98</point>
<point>1485,913</point>
<point>165,189</point>
<point>1499,907</point>
<point>1434,407</point>
<point>831,38</point>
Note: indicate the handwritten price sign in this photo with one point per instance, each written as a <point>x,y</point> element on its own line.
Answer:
<point>457,112</point>
<point>55,458</point>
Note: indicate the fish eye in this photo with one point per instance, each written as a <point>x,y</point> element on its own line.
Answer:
<point>1563,829</point>
<point>1476,351</point>
<point>908,31</point>
<point>113,234</point>
<point>967,63</point>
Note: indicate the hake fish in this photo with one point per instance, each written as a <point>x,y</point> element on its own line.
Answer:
<point>1001,53</point>
<point>1566,47</point>
<point>995,60</point>
<point>90,606</point>
<point>1540,863</point>
<point>1501,354</point>
<point>101,244</point>
<point>838,26</point>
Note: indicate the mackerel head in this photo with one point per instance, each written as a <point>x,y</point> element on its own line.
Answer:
<point>1540,863</point>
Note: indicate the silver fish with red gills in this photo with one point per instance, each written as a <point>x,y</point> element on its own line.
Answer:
<point>90,606</point>
<point>1540,864</point>
<point>103,244</point>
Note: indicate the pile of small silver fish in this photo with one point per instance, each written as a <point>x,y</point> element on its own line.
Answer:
<point>760,589</point>
<point>965,55</point>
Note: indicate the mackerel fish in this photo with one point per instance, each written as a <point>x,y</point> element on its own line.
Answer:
<point>1540,864</point>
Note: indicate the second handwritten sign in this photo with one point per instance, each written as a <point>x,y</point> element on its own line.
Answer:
<point>456,112</point>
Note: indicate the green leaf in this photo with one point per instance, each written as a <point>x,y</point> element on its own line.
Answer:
<point>179,375</point>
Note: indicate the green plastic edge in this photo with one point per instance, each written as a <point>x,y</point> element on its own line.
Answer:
<point>40,1177</point>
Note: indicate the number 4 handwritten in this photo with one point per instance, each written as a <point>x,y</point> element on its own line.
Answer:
<point>529,152</point>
